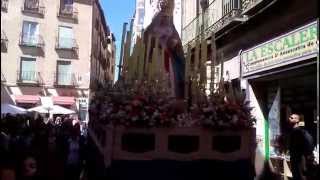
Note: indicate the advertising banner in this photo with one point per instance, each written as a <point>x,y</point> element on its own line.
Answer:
<point>281,50</point>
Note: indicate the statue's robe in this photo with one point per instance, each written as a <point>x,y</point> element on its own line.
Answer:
<point>163,28</point>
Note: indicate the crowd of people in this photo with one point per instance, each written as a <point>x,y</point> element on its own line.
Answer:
<point>41,148</point>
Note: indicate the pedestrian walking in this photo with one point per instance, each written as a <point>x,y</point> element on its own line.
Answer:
<point>300,148</point>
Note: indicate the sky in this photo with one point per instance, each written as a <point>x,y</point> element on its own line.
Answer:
<point>117,12</point>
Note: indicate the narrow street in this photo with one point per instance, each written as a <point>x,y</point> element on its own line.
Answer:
<point>159,89</point>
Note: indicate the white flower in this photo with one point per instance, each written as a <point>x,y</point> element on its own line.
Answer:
<point>235,119</point>
<point>134,118</point>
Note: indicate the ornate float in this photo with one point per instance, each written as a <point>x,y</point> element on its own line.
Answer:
<point>160,108</point>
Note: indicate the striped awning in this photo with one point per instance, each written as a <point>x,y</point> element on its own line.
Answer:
<point>64,100</point>
<point>28,99</point>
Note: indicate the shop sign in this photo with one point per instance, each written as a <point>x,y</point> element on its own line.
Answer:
<point>83,102</point>
<point>281,50</point>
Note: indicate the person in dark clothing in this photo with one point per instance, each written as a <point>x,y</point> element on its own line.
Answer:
<point>28,168</point>
<point>74,158</point>
<point>300,148</point>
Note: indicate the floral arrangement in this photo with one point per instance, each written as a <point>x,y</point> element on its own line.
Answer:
<point>227,110</point>
<point>130,105</point>
<point>146,106</point>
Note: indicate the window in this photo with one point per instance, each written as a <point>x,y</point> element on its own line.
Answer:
<point>65,37</point>
<point>64,75</point>
<point>31,4</point>
<point>4,5</point>
<point>28,69</point>
<point>30,33</point>
<point>66,7</point>
<point>65,4</point>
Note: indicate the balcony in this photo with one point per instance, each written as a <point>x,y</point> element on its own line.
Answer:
<point>4,42</point>
<point>29,78</point>
<point>65,80</point>
<point>33,7</point>
<point>249,7</point>
<point>68,12</point>
<point>213,20</point>
<point>31,40</point>
<point>67,44</point>
<point>4,5</point>
<point>228,20</point>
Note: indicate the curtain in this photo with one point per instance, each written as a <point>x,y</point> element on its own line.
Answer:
<point>65,37</point>
<point>66,5</point>
<point>64,73</point>
<point>30,32</point>
<point>28,69</point>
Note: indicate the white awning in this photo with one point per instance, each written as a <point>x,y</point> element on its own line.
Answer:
<point>46,101</point>
<point>55,109</point>
<point>12,109</point>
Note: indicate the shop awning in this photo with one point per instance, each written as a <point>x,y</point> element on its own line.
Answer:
<point>54,109</point>
<point>29,99</point>
<point>12,109</point>
<point>64,100</point>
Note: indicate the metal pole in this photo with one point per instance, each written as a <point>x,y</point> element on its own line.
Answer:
<point>124,30</point>
<point>318,85</point>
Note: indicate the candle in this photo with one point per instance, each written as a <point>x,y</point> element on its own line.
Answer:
<point>151,66</point>
<point>221,76</point>
<point>203,72</point>
<point>142,60</point>
<point>196,58</point>
<point>155,61</point>
<point>134,62</point>
<point>213,60</point>
<point>187,71</point>
<point>162,68</point>
<point>147,60</point>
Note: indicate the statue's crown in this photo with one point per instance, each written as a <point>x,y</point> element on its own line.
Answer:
<point>166,7</point>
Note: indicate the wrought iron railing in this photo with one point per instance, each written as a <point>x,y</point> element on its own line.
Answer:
<point>68,11</point>
<point>247,4</point>
<point>67,44</point>
<point>215,17</point>
<point>29,77</point>
<point>31,40</point>
<point>4,41</point>
<point>33,6</point>
<point>227,18</point>
<point>4,5</point>
<point>65,79</point>
<point>3,78</point>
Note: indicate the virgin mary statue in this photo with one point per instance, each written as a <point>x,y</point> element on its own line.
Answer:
<point>162,28</point>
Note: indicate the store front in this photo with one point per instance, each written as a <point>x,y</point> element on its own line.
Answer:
<point>280,77</point>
